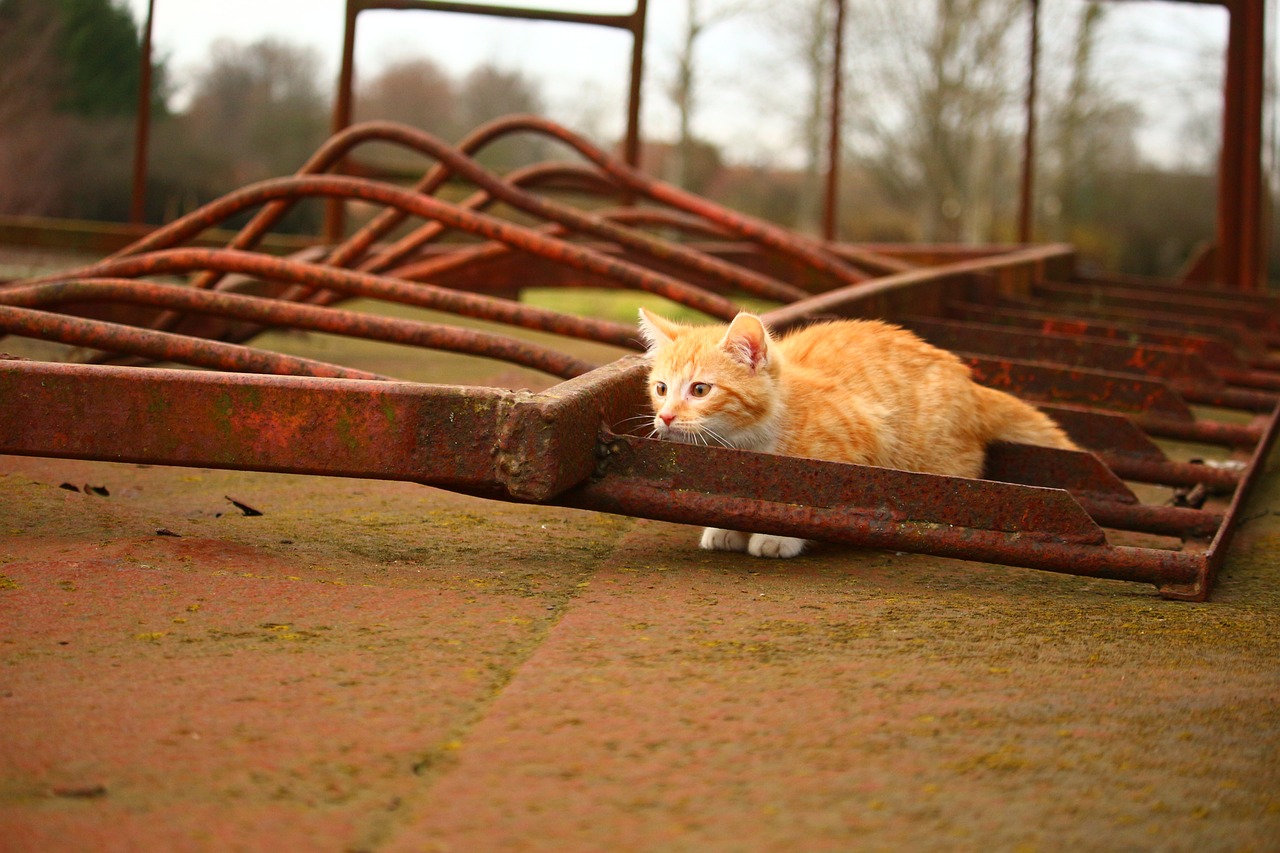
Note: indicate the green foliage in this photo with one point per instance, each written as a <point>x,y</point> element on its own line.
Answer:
<point>101,50</point>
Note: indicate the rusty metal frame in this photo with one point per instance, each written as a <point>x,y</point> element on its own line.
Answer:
<point>1237,258</point>
<point>632,22</point>
<point>1133,369</point>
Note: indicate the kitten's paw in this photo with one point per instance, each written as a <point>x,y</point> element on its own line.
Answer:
<point>715,539</point>
<point>765,545</point>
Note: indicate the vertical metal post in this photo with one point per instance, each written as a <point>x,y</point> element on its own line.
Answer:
<point>1026,196</point>
<point>631,148</point>
<point>334,219</point>
<point>1240,216</point>
<point>142,125</point>
<point>831,203</point>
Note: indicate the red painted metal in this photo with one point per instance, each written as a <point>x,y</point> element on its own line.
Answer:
<point>1125,366</point>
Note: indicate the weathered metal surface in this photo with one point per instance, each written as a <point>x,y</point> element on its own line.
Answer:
<point>1123,365</point>
<point>482,440</point>
<point>971,519</point>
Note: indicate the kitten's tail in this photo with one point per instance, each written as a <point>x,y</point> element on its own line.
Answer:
<point>1009,419</point>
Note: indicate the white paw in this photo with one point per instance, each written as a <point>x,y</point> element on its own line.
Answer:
<point>715,539</point>
<point>765,545</point>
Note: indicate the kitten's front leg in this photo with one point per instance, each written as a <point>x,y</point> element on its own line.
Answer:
<point>716,539</point>
<point>766,545</point>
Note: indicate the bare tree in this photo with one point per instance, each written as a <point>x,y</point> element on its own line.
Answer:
<point>700,17</point>
<point>258,109</point>
<point>32,133</point>
<point>489,92</point>
<point>935,89</point>
<point>417,92</point>
<point>797,90</point>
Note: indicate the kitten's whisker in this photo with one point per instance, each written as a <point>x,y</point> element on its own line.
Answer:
<point>720,439</point>
<point>634,419</point>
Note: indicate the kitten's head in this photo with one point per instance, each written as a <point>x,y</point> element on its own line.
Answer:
<point>712,384</point>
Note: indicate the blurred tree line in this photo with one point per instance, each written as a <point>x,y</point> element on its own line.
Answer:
<point>932,123</point>
<point>68,94</point>
<point>68,100</point>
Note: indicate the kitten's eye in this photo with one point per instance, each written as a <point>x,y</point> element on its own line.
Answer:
<point>700,389</point>
<point>660,388</point>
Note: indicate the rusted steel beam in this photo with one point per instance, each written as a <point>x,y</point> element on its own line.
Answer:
<point>1218,352</point>
<point>835,129</point>
<point>1179,288</point>
<point>1196,304</point>
<point>1180,368</point>
<point>1255,463</point>
<point>1241,209</point>
<point>1115,433</point>
<point>1186,372</point>
<point>1168,473</point>
<point>575,220</point>
<point>1097,489</point>
<point>485,441</point>
<point>1203,431</point>
<point>273,312</point>
<point>518,236</point>
<point>919,290</point>
<point>969,519</point>
<point>348,282</point>
<point>161,346</point>
<point>1154,320</point>
<point>1081,474</point>
<point>811,252</point>
<point>1026,198</point>
<point>142,127</point>
<point>1051,384</point>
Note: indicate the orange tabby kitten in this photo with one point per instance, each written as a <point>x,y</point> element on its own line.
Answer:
<point>856,391</point>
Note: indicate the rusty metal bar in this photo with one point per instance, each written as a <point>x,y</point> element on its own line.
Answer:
<point>1240,178</point>
<point>831,200</point>
<point>872,507</point>
<point>1026,197</point>
<point>318,276</point>
<point>521,237</point>
<point>142,124</point>
<point>275,313</point>
<point>1194,304</point>
<point>633,23</point>
<point>161,346</point>
<point>480,440</point>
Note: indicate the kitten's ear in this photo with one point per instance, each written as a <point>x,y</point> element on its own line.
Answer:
<point>747,340</point>
<point>656,331</point>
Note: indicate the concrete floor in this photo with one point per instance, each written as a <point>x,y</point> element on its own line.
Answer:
<point>374,666</point>
<point>381,666</point>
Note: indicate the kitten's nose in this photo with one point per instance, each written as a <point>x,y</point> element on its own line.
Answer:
<point>666,417</point>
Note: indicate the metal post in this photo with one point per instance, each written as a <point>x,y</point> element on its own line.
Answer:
<point>342,110</point>
<point>142,126</point>
<point>831,202</point>
<point>1026,199</point>
<point>631,149</point>
<point>1240,217</point>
